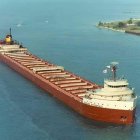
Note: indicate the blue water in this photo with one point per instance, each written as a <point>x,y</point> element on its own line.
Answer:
<point>64,32</point>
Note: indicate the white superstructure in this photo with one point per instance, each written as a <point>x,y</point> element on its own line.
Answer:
<point>115,94</point>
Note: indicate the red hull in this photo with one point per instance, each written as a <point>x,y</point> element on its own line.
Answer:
<point>95,113</point>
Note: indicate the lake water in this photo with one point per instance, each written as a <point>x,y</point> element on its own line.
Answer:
<point>64,32</point>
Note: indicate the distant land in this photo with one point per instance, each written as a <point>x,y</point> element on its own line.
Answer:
<point>131,26</point>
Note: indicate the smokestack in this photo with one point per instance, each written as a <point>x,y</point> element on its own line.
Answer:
<point>10,31</point>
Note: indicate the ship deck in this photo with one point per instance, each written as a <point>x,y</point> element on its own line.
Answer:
<point>56,75</point>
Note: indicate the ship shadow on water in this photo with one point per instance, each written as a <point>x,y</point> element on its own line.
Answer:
<point>126,131</point>
<point>107,130</point>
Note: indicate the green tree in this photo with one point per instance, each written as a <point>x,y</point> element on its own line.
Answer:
<point>121,24</point>
<point>100,23</point>
<point>130,21</point>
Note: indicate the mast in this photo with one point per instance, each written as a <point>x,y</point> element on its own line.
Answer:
<point>114,69</point>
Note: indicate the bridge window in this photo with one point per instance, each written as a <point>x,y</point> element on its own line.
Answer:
<point>117,86</point>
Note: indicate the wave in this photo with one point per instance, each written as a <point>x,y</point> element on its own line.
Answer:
<point>46,21</point>
<point>19,25</point>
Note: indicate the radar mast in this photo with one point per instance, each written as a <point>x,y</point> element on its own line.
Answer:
<point>114,69</point>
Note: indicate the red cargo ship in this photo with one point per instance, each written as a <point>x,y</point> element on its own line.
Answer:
<point>114,103</point>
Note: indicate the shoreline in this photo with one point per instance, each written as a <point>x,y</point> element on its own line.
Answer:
<point>115,30</point>
<point>131,26</point>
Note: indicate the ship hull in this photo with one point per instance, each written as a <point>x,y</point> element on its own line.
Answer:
<point>92,112</point>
